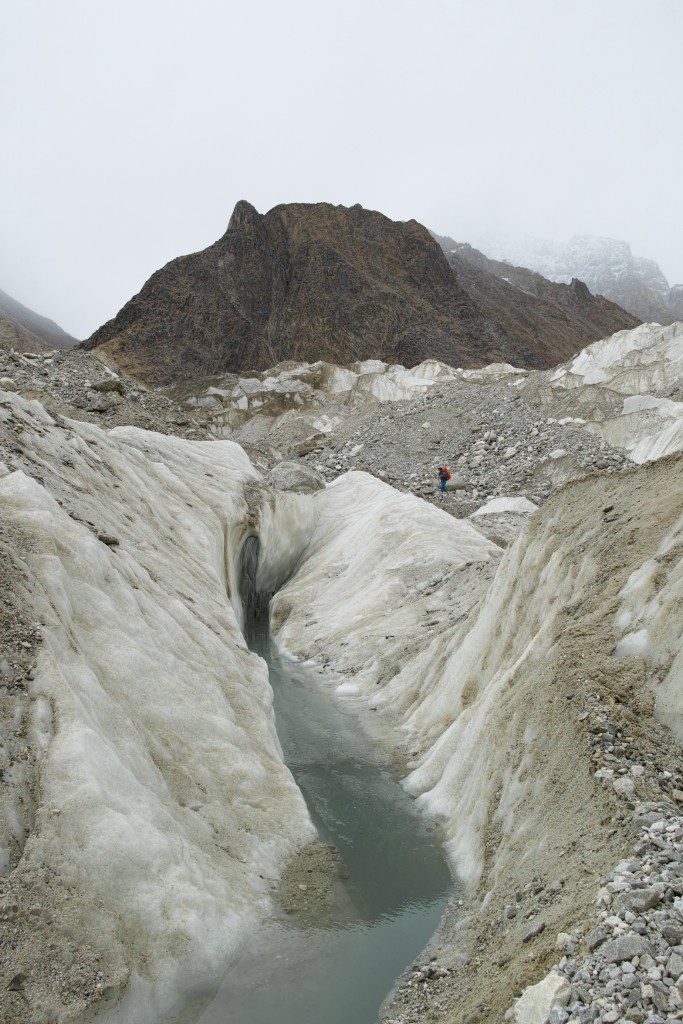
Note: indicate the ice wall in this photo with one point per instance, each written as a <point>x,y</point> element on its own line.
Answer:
<point>644,359</point>
<point>165,811</point>
<point>363,592</point>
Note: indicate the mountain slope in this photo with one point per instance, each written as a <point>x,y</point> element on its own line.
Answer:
<point>26,331</point>
<point>315,281</point>
<point>530,301</point>
<point>606,265</point>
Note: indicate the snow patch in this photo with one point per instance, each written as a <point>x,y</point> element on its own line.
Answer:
<point>347,689</point>
<point>511,504</point>
<point>637,643</point>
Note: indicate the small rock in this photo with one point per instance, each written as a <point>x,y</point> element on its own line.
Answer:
<point>674,967</point>
<point>624,786</point>
<point>638,900</point>
<point>625,948</point>
<point>456,483</point>
<point>295,476</point>
<point>106,538</point>
<point>98,403</point>
<point>109,385</point>
<point>534,931</point>
<point>596,938</point>
<point>672,932</point>
<point>537,1001</point>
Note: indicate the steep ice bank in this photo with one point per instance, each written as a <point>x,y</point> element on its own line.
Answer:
<point>386,594</point>
<point>482,676</point>
<point>369,587</point>
<point>164,808</point>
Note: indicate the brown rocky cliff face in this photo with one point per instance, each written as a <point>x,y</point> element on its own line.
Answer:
<point>308,282</point>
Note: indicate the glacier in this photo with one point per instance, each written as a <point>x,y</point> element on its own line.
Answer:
<point>164,812</point>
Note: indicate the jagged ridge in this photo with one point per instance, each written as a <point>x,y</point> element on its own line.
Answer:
<point>315,281</point>
<point>606,265</point>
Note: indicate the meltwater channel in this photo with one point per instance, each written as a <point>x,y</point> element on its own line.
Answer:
<point>394,872</point>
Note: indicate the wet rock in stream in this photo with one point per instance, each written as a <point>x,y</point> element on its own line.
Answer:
<point>315,889</point>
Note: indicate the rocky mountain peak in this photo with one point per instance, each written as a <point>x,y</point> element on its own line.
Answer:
<point>579,289</point>
<point>310,281</point>
<point>244,216</point>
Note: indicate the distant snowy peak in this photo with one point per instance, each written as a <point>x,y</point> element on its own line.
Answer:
<point>606,265</point>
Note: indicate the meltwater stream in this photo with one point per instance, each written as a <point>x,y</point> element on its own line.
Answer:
<point>396,883</point>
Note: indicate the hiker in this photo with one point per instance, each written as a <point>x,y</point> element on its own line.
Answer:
<point>444,475</point>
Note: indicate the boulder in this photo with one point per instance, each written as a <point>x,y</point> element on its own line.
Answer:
<point>110,384</point>
<point>536,1001</point>
<point>456,483</point>
<point>295,476</point>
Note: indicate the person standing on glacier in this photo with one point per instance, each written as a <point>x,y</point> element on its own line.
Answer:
<point>444,476</point>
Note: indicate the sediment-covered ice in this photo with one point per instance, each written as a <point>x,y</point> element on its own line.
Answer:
<point>163,796</point>
<point>292,398</point>
<point>468,670</point>
<point>165,807</point>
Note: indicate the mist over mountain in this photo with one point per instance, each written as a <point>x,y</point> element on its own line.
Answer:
<point>316,281</point>
<point>26,331</point>
<point>606,265</point>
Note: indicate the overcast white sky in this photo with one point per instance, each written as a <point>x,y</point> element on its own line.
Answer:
<point>130,128</point>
